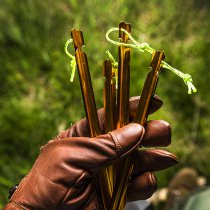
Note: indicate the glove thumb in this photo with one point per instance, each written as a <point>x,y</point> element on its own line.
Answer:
<point>95,153</point>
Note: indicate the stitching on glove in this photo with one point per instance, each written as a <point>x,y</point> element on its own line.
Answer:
<point>25,178</point>
<point>58,137</point>
<point>116,141</point>
<point>17,205</point>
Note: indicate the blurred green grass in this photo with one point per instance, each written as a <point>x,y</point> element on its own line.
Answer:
<point>37,100</point>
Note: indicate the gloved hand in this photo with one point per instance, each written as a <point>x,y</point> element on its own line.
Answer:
<point>63,175</point>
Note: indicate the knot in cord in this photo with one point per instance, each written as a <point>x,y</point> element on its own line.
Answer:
<point>142,47</point>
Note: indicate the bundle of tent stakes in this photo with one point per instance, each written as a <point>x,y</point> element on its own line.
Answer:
<point>116,105</point>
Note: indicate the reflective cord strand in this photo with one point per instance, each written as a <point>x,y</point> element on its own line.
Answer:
<point>114,67</point>
<point>73,59</point>
<point>142,47</point>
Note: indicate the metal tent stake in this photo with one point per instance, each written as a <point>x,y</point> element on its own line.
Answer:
<point>114,190</point>
<point>90,105</point>
<point>141,117</point>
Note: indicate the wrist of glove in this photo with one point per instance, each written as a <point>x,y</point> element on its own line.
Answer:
<point>63,175</point>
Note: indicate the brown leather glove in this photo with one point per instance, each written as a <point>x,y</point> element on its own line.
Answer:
<point>63,175</point>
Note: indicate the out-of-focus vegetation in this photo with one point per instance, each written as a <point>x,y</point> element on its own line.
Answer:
<point>37,100</point>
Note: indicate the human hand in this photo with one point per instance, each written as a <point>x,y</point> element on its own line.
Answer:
<point>63,175</point>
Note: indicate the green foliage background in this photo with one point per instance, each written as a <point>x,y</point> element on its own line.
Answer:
<point>37,100</point>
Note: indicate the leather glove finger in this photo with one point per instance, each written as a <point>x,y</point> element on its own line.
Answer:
<point>80,128</point>
<point>157,133</point>
<point>143,182</point>
<point>153,160</point>
<point>142,187</point>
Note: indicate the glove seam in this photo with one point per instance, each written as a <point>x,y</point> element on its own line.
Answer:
<point>69,189</point>
<point>25,179</point>
<point>116,141</point>
<point>17,205</point>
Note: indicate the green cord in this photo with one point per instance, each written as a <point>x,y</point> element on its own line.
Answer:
<point>186,77</point>
<point>114,63</point>
<point>114,67</point>
<point>141,47</point>
<point>145,47</point>
<point>73,60</point>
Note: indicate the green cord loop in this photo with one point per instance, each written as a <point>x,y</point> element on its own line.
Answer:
<point>73,60</point>
<point>142,47</point>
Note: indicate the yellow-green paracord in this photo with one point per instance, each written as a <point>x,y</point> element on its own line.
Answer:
<point>145,47</point>
<point>142,47</point>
